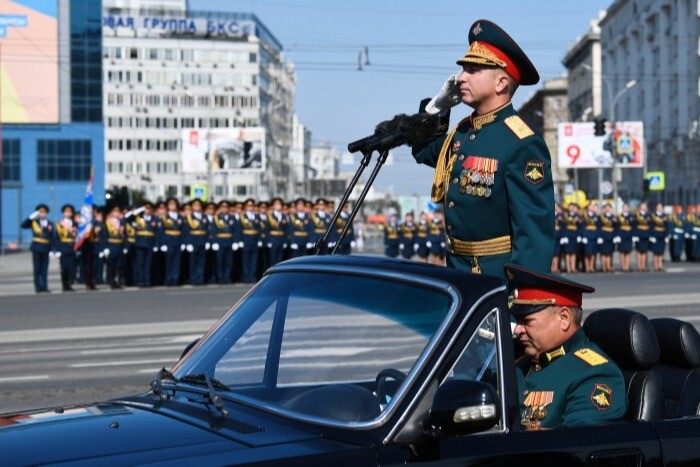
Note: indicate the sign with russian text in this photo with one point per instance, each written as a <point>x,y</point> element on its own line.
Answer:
<point>578,147</point>
<point>150,25</point>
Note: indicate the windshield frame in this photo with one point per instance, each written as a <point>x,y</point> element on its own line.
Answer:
<point>418,366</point>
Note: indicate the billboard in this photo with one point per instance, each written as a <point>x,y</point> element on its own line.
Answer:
<point>28,61</point>
<point>578,146</point>
<point>232,150</point>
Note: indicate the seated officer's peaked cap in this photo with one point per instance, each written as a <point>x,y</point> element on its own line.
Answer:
<point>533,291</point>
<point>491,46</point>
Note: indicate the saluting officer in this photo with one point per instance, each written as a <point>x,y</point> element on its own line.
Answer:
<point>676,223</point>
<point>170,240</point>
<point>66,232</point>
<point>227,235</point>
<point>196,234</point>
<point>658,236</point>
<point>146,226</point>
<point>250,243</point>
<point>113,233</point>
<point>300,230</point>
<point>492,166</point>
<point>277,231</point>
<point>391,236</point>
<point>42,236</point>
<point>564,379</point>
<point>407,231</point>
<point>642,224</point>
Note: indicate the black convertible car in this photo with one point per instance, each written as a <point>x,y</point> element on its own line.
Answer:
<point>371,361</point>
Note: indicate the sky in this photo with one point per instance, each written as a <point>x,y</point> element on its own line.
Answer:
<point>412,48</point>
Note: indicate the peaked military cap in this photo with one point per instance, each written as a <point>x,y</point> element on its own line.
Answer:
<point>249,202</point>
<point>224,202</point>
<point>68,206</point>
<point>491,46</point>
<point>42,206</point>
<point>532,291</point>
<point>263,204</point>
<point>277,199</point>
<point>196,201</point>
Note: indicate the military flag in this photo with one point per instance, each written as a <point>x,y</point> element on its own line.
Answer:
<point>85,222</point>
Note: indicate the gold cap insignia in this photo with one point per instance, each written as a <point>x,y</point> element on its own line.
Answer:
<point>477,29</point>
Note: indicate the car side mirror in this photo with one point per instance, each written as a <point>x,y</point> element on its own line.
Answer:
<point>462,407</point>
<point>189,347</point>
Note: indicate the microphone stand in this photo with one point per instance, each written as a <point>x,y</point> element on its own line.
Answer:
<point>361,199</point>
<point>322,242</point>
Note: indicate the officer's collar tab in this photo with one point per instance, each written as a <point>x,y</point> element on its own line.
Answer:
<point>479,121</point>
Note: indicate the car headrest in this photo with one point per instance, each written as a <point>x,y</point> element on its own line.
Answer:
<point>679,342</point>
<point>625,335</point>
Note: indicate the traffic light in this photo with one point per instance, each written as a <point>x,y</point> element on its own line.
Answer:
<point>599,125</point>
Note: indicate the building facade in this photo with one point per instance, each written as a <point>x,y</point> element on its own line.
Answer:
<point>300,156</point>
<point>543,111</point>
<point>657,43</point>
<point>169,71</point>
<point>50,160</point>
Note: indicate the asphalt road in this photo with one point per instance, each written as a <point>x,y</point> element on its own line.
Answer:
<point>65,348</point>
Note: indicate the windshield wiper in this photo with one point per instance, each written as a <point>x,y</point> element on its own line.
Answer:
<point>157,384</point>
<point>211,383</point>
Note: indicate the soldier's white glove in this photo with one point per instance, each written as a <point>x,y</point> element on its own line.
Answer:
<point>415,247</point>
<point>687,235</point>
<point>448,97</point>
<point>164,248</point>
<point>652,239</point>
<point>190,248</point>
<point>215,246</point>
<point>259,244</point>
<point>34,215</point>
<point>101,255</point>
<point>617,240</point>
<point>105,252</point>
<point>284,245</point>
<point>600,241</point>
<point>442,245</point>
<point>182,247</point>
<point>353,244</point>
<point>309,245</point>
<point>58,254</point>
<point>207,246</point>
<point>666,239</point>
<point>269,245</point>
<point>400,246</point>
<point>126,250</point>
<point>331,244</point>
<point>578,239</point>
<point>694,237</point>
<point>429,244</point>
<point>52,254</point>
<point>294,246</point>
<point>584,241</point>
<point>234,247</point>
<point>563,241</point>
<point>240,244</point>
<point>155,249</point>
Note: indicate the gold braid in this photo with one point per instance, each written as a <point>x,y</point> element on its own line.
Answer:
<point>443,167</point>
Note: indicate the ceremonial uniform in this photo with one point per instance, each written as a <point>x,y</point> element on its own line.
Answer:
<point>146,226</point>
<point>170,242</point>
<point>494,168</point>
<point>226,238</point>
<point>406,242</point>
<point>589,233</point>
<point>559,233</point>
<point>278,231</point>
<point>391,239</point>
<point>128,253</point>
<point>571,382</point>
<point>642,224</point>
<point>210,271</point>
<point>625,232</point>
<point>66,232</point>
<point>421,240</point>
<point>113,233</point>
<point>300,234</point>
<point>250,230</point>
<point>658,234</point>
<point>608,231</point>
<point>677,227</point>
<point>99,248</point>
<point>264,249</point>
<point>196,237</point>
<point>436,238</point>
<point>320,221</point>
<point>348,242</point>
<point>42,237</point>
<point>571,232</point>
<point>692,230</point>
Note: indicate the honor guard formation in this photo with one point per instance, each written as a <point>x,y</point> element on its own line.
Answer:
<point>172,244</point>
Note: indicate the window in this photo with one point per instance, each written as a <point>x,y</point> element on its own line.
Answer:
<point>133,53</point>
<point>10,160</point>
<point>479,360</point>
<point>253,57</point>
<point>63,160</point>
<point>241,190</point>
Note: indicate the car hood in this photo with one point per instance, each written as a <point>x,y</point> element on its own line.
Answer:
<point>141,430</point>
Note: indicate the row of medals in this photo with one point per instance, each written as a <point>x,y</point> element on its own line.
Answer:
<point>532,416</point>
<point>476,183</point>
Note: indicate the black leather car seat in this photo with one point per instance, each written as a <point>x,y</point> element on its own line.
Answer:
<point>679,366</point>
<point>629,340</point>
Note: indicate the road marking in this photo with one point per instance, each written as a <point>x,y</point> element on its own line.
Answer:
<point>11,379</point>
<point>120,363</point>
<point>122,350</point>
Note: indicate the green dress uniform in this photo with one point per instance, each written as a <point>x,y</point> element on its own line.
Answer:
<point>573,385</point>
<point>493,174</point>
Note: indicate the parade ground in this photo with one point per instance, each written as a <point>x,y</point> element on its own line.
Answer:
<point>63,348</point>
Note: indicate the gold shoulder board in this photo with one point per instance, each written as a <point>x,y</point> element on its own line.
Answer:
<point>591,357</point>
<point>518,127</point>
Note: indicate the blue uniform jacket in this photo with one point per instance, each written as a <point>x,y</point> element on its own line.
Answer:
<point>170,231</point>
<point>196,231</point>
<point>42,234</point>
<point>66,231</point>
<point>250,229</point>
<point>226,230</point>
<point>278,227</point>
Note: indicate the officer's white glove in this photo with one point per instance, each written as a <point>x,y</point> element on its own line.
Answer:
<point>34,215</point>
<point>563,241</point>
<point>105,252</point>
<point>578,239</point>
<point>215,246</point>
<point>259,244</point>
<point>126,250</point>
<point>584,241</point>
<point>600,241</point>
<point>155,249</point>
<point>294,246</point>
<point>442,245</point>
<point>400,246</point>
<point>687,235</point>
<point>309,245</point>
<point>284,245</point>
<point>331,244</point>
<point>240,244</point>
<point>652,239</point>
<point>353,244</point>
<point>269,245</point>
<point>52,254</point>
<point>139,210</point>
<point>164,248</point>
<point>694,237</point>
<point>666,239</point>
<point>207,246</point>
<point>448,97</point>
<point>429,244</point>
<point>101,255</point>
<point>182,247</point>
<point>617,240</point>
<point>234,247</point>
<point>635,239</point>
<point>190,248</point>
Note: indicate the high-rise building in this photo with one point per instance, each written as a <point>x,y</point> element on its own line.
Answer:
<point>50,109</point>
<point>177,79</point>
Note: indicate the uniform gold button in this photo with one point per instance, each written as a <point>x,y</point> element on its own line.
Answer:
<point>449,228</point>
<point>472,137</point>
<point>451,204</point>
<point>461,157</point>
<point>455,180</point>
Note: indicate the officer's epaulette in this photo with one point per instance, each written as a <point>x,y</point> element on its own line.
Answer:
<point>518,127</point>
<point>591,357</point>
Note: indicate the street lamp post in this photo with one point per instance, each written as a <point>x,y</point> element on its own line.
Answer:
<point>613,146</point>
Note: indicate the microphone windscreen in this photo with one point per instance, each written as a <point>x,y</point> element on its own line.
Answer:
<point>420,127</point>
<point>390,126</point>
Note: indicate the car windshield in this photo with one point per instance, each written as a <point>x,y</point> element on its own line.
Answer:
<point>324,345</point>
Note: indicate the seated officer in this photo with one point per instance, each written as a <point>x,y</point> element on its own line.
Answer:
<point>564,379</point>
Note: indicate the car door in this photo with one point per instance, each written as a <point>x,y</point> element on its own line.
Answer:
<point>488,357</point>
<point>679,438</point>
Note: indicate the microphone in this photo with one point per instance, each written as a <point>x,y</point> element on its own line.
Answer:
<point>402,129</point>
